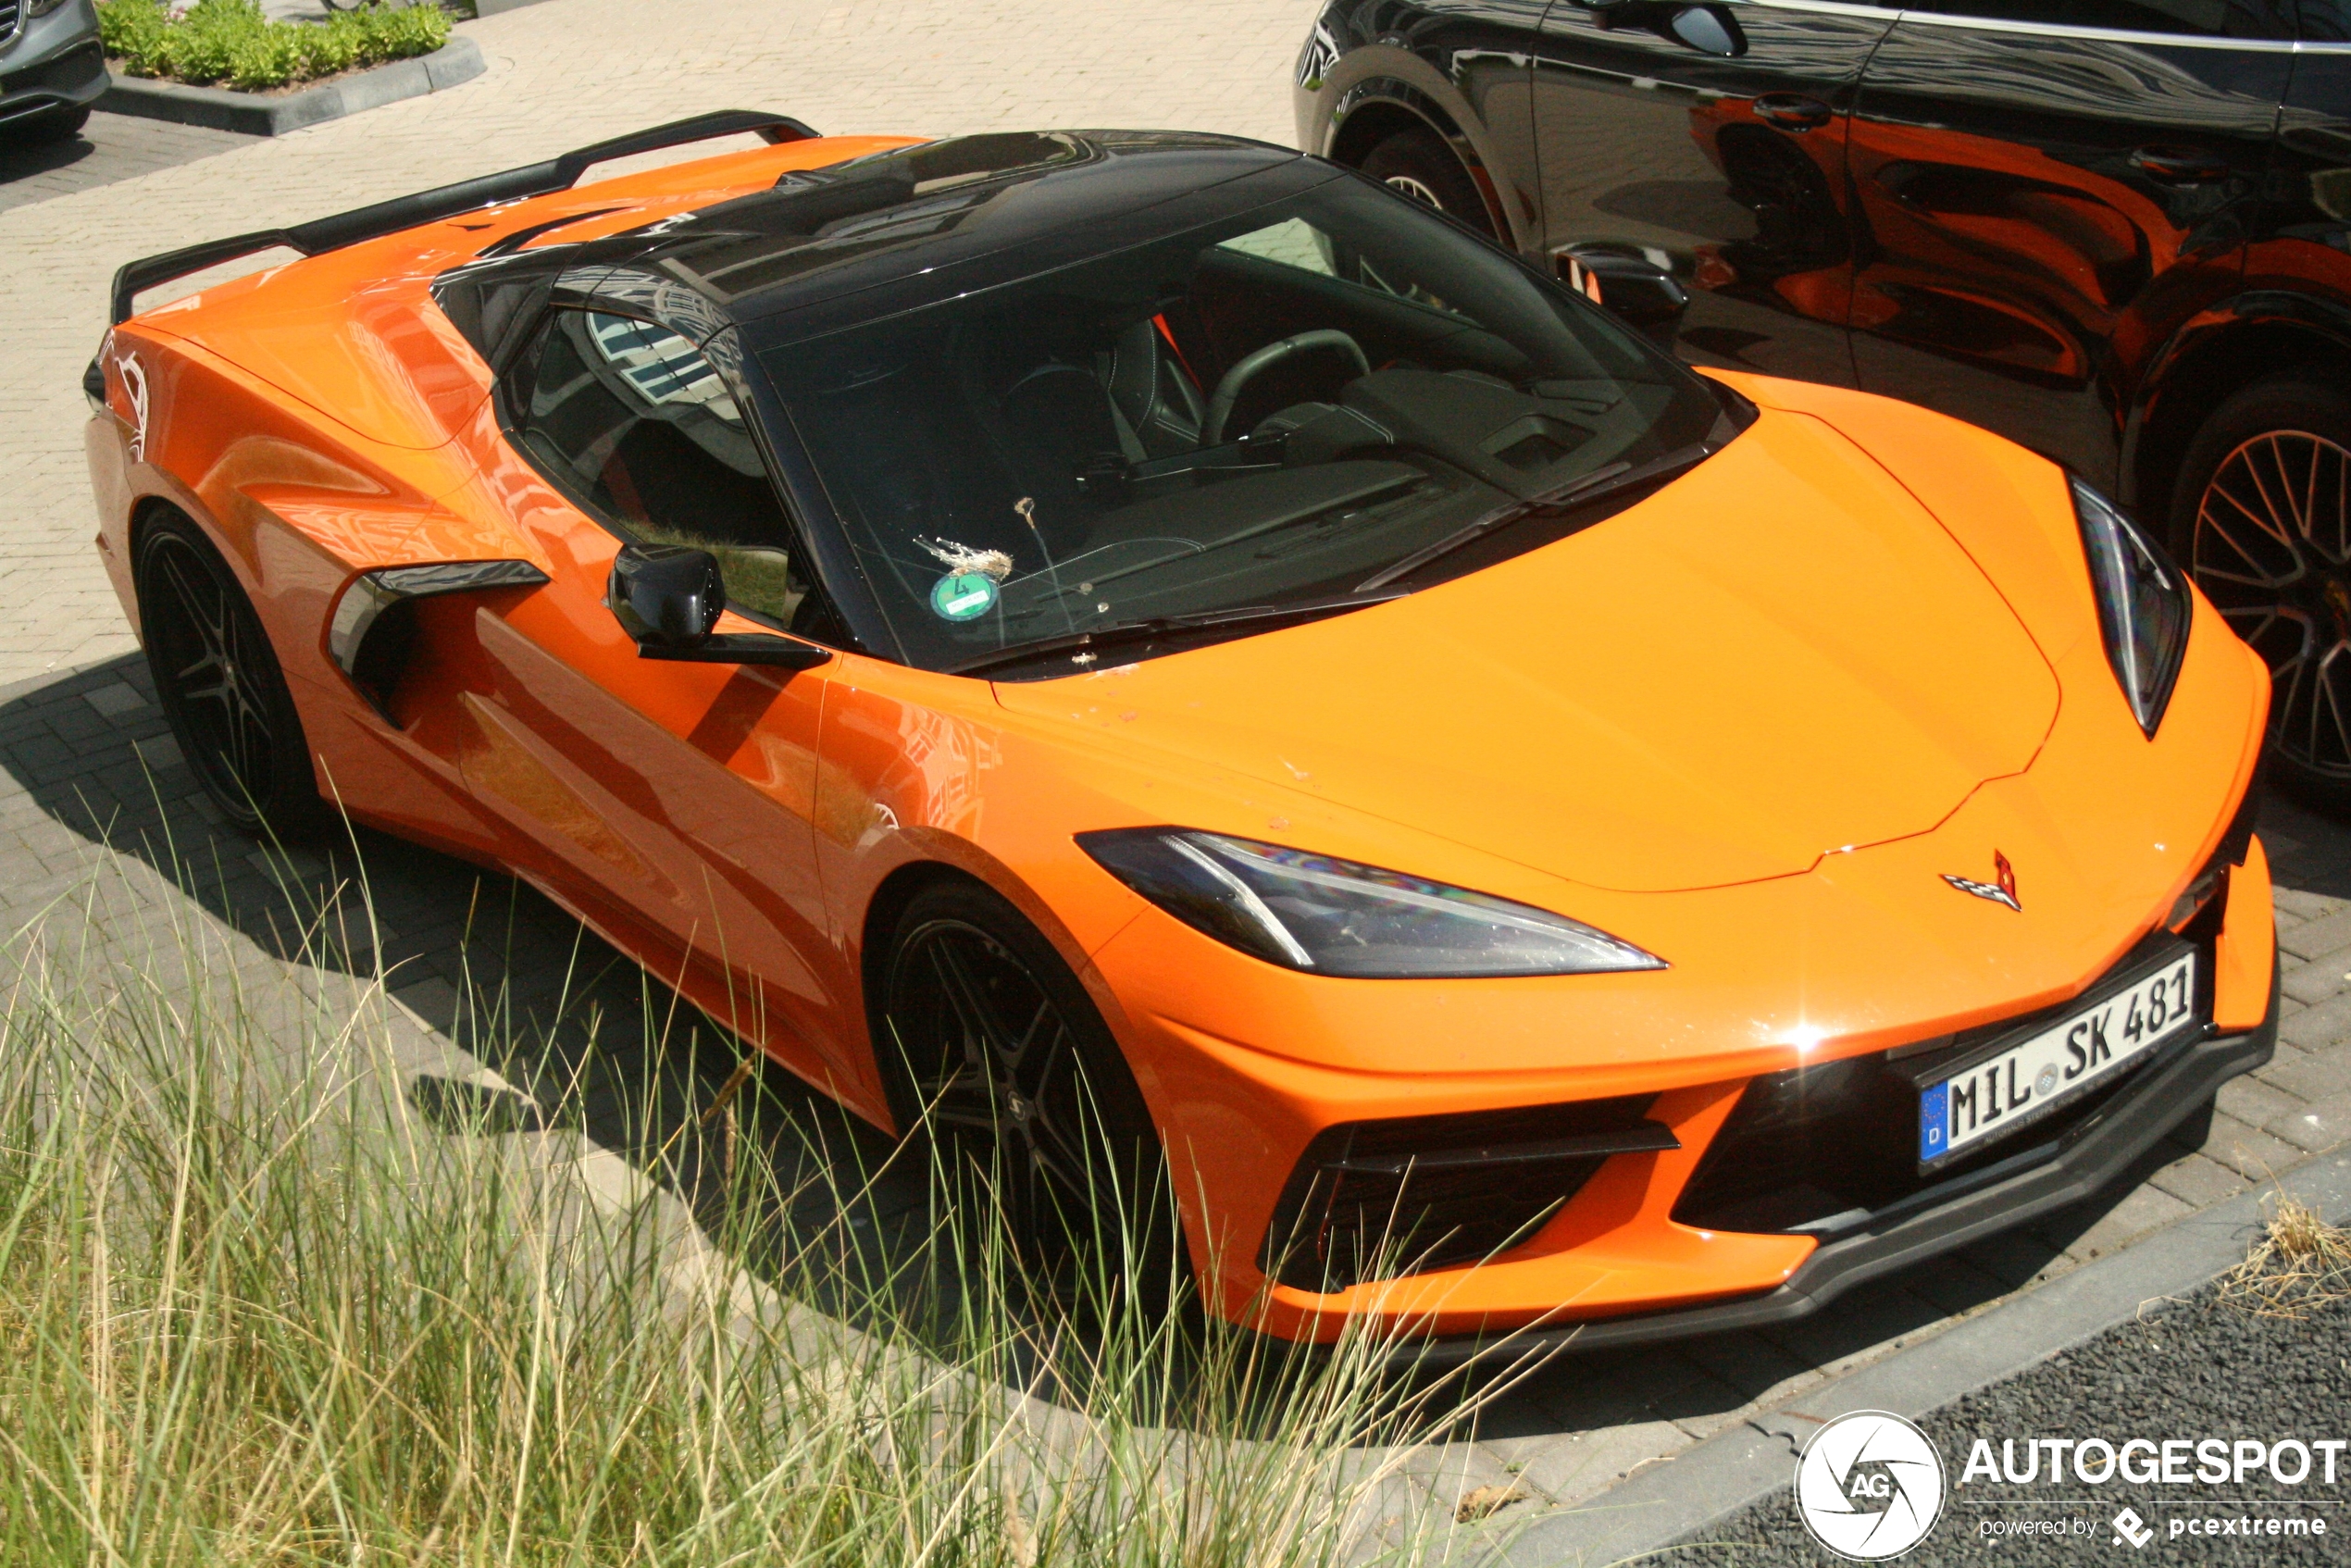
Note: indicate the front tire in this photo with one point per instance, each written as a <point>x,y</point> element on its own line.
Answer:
<point>219,683</point>
<point>51,126</point>
<point>2262,521</point>
<point>991,1045</point>
<point>1418,165</point>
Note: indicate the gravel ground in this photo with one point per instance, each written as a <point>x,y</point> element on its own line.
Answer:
<point>2204,1368</point>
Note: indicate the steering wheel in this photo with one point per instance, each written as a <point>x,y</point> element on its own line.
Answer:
<point>1228,389</point>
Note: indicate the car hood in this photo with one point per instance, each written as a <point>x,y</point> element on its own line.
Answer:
<point>1779,655</point>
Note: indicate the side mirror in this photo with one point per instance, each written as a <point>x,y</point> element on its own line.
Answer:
<point>666,595</point>
<point>1629,286</point>
<point>1710,29</point>
<point>668,598</point>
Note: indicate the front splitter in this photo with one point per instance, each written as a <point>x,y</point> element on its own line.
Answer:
<point>2089,1156</point>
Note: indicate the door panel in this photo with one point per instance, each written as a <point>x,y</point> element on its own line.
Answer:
<point>685,790</point>
<point>668,803</point>
<point>679,794</point>
<point>1728,168</point>
<point>2283,598</point>
<point>2042,206</point>
<point>2305,245</point>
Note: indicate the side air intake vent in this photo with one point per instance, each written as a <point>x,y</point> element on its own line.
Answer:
<point>372,628</point>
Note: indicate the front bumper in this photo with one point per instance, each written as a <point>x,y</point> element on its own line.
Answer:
<point>56,63</point>
<point>2085,1158</point>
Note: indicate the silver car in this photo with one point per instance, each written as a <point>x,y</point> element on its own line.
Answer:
<point>52,67</point>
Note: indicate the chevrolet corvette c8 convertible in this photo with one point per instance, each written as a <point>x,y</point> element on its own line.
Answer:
<point>1176,662</point>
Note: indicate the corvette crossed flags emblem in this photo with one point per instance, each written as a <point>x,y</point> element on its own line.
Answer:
<point>2002,892</point>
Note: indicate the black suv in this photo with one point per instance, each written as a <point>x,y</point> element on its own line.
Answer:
<point>2116,230</point>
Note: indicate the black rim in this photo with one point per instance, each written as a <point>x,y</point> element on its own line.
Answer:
<point>995,1059</point>
<point>210,671</point>
<point>2272,551</point>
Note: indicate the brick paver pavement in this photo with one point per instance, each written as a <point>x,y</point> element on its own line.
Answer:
<point>92,786</point>
<point>562,74</point>
<point>110,148</point>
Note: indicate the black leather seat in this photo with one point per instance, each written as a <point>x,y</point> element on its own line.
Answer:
<point>1151,391</point>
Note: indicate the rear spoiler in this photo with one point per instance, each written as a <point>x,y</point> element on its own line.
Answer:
<point>446,201</point>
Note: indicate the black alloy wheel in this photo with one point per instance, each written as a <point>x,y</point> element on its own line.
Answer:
<point>994,1047</point>
<point>1418,165</point>
<point>220,682</point>
<point>2263,521</point>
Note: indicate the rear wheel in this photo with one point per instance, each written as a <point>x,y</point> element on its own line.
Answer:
<point>995,1047</point>
<point>220,682</point>
<point>2262,521</point>
<point>1418,165</point>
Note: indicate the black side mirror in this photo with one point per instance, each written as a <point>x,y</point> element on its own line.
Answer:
<point>666,595</point>
<point>667,598</point>
<point>1629,286</point>
<point>1710,29</point>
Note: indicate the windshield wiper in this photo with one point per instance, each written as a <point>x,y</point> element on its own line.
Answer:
<point>1601,482</point>
<point>1127,633</point>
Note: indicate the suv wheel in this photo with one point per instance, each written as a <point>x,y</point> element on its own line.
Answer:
<point>219,683</point>
<point>2263,519</point>
<point>1418,165</point>
<point>51,125</point>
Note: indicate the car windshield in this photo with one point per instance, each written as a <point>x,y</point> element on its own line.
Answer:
<point>1290,410</point>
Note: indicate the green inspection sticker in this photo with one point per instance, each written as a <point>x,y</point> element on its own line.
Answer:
<point>962,596</point>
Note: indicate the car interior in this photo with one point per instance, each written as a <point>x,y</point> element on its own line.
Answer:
<point>1267,414</point>
<point>645,433</point>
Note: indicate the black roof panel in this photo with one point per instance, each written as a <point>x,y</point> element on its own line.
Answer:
<point>917,209</point>
<point>895,229</point>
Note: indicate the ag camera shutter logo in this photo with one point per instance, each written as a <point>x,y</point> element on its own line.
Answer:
<point>1869,1486</point>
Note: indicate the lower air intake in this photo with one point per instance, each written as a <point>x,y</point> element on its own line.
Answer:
<point>1381,1200</point>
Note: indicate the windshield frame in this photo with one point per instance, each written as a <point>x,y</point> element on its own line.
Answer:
<point>835,558</point>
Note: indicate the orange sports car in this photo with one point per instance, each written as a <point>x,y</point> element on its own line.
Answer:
<point>1177,659</point>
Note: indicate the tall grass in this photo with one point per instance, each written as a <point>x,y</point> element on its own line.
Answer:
<point>254,1309</point>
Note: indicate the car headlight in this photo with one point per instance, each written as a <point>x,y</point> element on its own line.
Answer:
<point>1337,917</point>
<point>2143,605</point>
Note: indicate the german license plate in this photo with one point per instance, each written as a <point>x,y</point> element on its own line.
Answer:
<point>2007,1092</point>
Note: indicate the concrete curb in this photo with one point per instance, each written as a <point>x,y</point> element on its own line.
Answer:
<point>1683,1497</point>
<point>257,115</point>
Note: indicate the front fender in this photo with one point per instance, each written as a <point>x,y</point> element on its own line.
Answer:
<point>1387,79</point>
<point>2149,421</point>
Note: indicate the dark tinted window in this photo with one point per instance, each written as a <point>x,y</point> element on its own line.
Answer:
<point>2208,18</point>
<point>641,428</point>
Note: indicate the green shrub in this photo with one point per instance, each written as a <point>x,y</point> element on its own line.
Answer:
<point>232,43</point>
<point>132,30</point>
